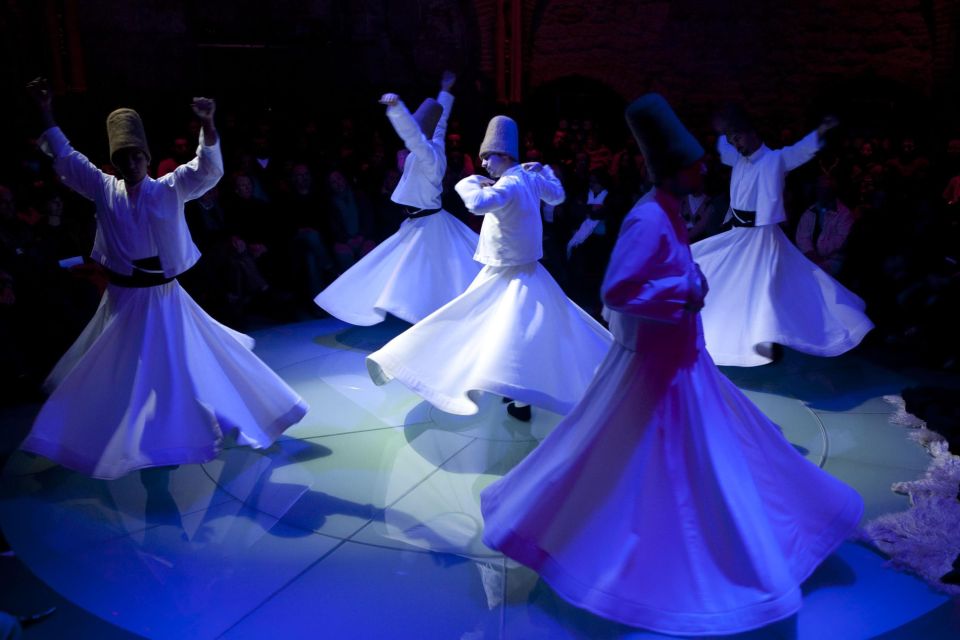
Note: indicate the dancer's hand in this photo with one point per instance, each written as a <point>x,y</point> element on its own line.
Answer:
<point>446,82</point>
<point>389,99</point>
<point>204,108</point>
<point>39,89</point>
<point>702,281</point>
<point>719,123</point>
<point>829,122</point>
<point>698,289</point>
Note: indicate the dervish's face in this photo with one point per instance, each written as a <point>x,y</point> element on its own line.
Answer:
<point>132,164</point>
<point>495,164</point>
<point>746,142</point>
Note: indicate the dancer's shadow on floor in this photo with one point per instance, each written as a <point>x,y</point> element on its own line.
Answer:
<point>261,481</point>
<point>822,384</point>
<point>367,339</point>
<point>479,455</point>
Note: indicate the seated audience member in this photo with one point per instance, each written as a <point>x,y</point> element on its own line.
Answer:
<point>824,228</point>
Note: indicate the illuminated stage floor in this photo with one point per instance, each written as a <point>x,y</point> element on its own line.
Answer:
<point>363,522</point>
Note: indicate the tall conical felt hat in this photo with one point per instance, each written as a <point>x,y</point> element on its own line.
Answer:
<point>428,115</point>
<point>501,137</point>
<point>125,130</point>
<point>665,143</point>
<point>735,118</point>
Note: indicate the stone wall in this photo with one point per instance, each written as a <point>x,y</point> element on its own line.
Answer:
<point>788,59</point>
<point>780,57</point>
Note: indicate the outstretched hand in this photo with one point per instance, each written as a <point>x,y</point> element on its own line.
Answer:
<point>829,122</point>
<point>446,82</point>
<point>204,108</point>
<point>39,89</point>
<point>389,99</point>
<point>719,123</point>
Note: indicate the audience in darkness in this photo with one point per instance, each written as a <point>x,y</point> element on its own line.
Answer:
<point>302,203</point>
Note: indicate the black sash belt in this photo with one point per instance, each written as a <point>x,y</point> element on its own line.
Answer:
<point>147,272</point>
<point>420,213</point>
<point>744,218</point>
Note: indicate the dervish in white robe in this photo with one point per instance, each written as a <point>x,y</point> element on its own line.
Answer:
<point>429,260</point>
<point>764,291</point>
<point>152,380</point>
<point>513,332</point>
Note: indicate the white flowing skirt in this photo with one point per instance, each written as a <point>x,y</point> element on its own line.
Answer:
<point>427,263</point>
<point>763,290</point>
<point>513,332</point>
<point>153,380</point>
<point>667,500</point>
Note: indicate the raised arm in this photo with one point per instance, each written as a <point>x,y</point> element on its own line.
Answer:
<point>74,169</point>
<point>551,189</point>
<point>193,179</point>
<point>804,150</point>
<point>406,127</point>
<point>728,153</point>
<point>445,98</point>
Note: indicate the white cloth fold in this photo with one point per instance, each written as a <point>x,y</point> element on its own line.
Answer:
<point>153,380</point>
<point>666,499</point>
<point>427,263</point>
<point>513,333</point>
<point>764,291</point>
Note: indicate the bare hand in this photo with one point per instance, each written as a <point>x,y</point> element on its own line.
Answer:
<point>389,99</point>
<point>446,82</point>
<point>484,181</point>
<point>204,108</point>
<point>39,90</point>
<point>719,123</point>
<point>702,283</point>
<point>828,123</point>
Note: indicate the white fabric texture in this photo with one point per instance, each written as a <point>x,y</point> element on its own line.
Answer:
<point>425,264</point>
<point>153,380</point>
<point>666,499</point>
<point>513,333</point>
<point>764,291</point>
<point>512,231</point>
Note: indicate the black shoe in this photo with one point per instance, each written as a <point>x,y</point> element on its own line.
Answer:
<point>32,619</point>
<point>506,400</point>
<point>523,414</point>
